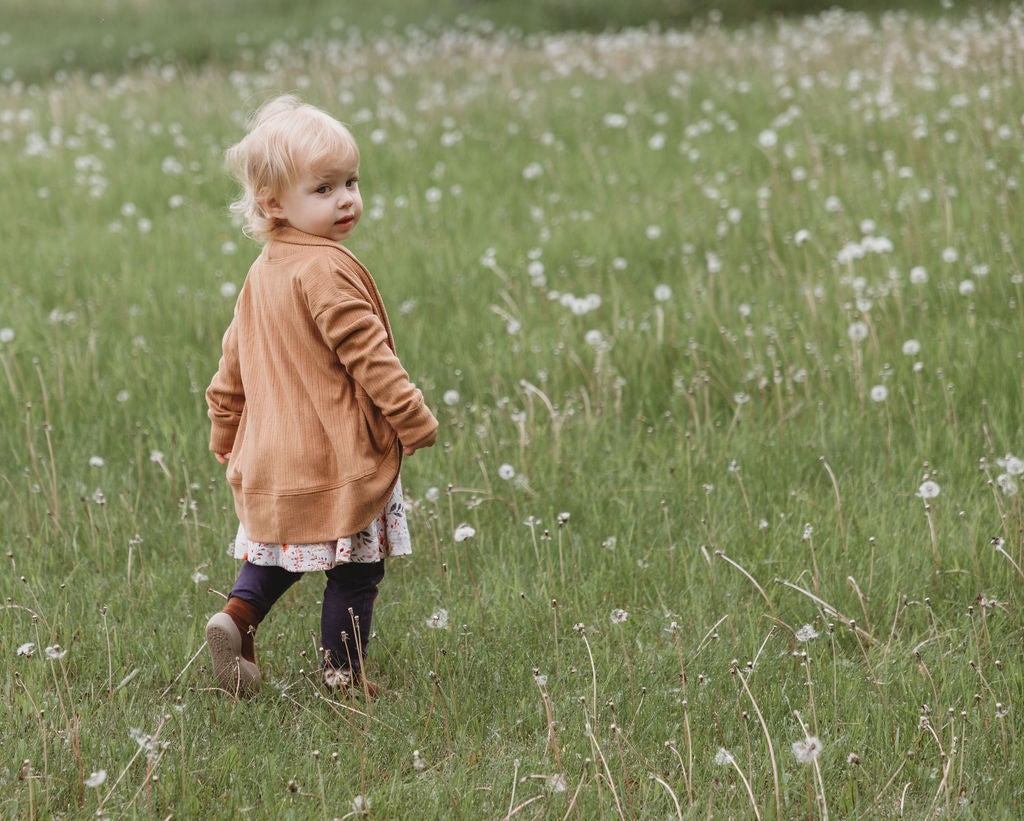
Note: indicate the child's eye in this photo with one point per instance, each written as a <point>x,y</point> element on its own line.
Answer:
<point>323,189</point>
<point>352,183</point>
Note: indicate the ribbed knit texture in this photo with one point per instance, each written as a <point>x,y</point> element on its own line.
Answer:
<point>309,397</point>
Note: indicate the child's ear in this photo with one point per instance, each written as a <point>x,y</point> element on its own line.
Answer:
<point>271,205</point>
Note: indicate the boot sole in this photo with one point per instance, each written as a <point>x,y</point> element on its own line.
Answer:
<point>234,673</point>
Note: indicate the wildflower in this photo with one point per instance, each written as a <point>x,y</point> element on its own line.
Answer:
<point>806,633</point>
<point>614,120</point>
<point>28,649</point>
<point>532,171</point>
<point>879,393</point>
<point>450,397</point>
<point>1013,465</point>
<point>438,619</point>
<point>506,471</point>
<point>767,138</point>
<point>463,532</point>
<point>360,805</point>
<point>563,517</point>
<point>918,275</point>
<point>156,456</point>
<point>96,461</point>
<point>663,293</point>
<point>609,543</point>
<point>199,576</point>
<point>55,652</point>
<point>653,231</point>
<point>833,205</point>
<point>6,335</point>
<point>808,750</point>
<point>618,615</point>
<point>122,396</point>
<point>950,255</point>
<point>417,761</point>
<point>911,347</point>
<point>723,758</point>
<point>96,778</point>
<point>541,679</point>
<point>858,331</point>
<point>1007,484</point>
<point>432,494</point>
<point>966,288</point>
<point>801,236</point>
<point>853,759</point>
<point>928,490</point>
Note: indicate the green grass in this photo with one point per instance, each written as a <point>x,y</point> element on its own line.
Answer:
<point>728,476</point>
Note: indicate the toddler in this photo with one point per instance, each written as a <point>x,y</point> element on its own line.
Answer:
<point>311,409</point>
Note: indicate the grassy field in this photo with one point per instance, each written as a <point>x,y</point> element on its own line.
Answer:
<point>724,331</point>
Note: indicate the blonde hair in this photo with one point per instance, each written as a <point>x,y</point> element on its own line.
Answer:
<point>286,138</point>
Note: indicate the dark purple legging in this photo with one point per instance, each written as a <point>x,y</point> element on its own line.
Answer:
<point>351,586</point>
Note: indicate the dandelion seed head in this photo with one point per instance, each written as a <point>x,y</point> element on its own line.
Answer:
<point>879,393</point>
<point>807,750</point>
<point>806,633</point>
<point>618,615</point>
<point>463,532</point>
<point>96,779</point>
<point>858,331</point>
<point>438,619</point>
<point>929,489</point>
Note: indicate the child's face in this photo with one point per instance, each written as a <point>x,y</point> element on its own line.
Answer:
<point>324,202</point>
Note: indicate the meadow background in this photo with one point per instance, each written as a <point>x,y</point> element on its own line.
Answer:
<point>721,313</point>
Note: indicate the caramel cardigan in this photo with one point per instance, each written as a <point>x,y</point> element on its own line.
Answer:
<point>309,397</point>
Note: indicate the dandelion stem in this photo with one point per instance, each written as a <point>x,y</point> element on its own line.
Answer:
<point>752,580</point>
<point>771,750</point>
<point>839,502</point>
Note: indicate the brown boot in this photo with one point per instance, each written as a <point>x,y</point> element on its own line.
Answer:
<point>231,650</point>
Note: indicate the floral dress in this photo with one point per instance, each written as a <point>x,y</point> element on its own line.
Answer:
<point>387,535</point>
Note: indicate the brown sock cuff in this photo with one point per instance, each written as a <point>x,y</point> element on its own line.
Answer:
<point>243,613</point>
<point>246,617</point>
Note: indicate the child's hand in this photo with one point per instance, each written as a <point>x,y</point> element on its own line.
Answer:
<point>223,457</point>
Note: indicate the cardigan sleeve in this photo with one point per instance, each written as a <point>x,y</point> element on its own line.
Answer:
<point>359,339</point>
<point>225,396</point>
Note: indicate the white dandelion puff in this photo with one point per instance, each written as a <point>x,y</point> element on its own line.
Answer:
<point>911,347</point>
<point>879,393</point>
<point>1007,484</point>
<point>618,615</point>
<point>463,532</point>
<point>506,471</point>
<point>1012,464</point>
<point>28,649</point>
<point>96,778</point>
<point>858,331</point>
<point>806,633</point>
<point>723,758</point>
<point>438,619</point>
<point>807,750</point>
<point>928,490</point>
<point>55,652</point>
